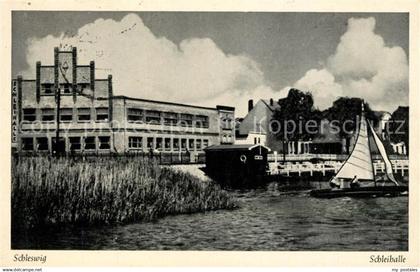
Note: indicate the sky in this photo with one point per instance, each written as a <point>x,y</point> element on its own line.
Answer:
<point>227,58</point>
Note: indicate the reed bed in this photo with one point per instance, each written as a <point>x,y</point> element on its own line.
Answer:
<point>56,191</point>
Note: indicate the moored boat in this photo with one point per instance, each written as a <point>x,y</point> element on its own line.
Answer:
<point>356,177</point>
<point>378,191</point>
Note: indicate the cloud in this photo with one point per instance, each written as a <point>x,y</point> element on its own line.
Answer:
<point>197,71</point>
<point>194,71</point>
<point>362,66</point>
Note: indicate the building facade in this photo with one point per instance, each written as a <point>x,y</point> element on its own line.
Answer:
<point>257,122</point>
<point>255,126</point>
<point>93,120</point>
<point>252,138</point>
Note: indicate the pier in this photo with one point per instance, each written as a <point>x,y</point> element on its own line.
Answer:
<point>309,164</point>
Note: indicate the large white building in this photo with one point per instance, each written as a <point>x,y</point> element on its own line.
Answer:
<point>92,119</point>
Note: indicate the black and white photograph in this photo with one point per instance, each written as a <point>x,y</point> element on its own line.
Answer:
<point>210,131</point>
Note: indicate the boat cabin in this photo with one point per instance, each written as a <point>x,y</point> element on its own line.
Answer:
<point>237,166</point>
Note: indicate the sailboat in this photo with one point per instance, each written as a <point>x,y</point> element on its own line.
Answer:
<point>356,176</point>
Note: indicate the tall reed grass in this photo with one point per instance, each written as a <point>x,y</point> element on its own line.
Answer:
<point>50,191</point>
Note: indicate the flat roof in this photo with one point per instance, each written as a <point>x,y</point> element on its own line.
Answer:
<point>226,108</point>
<point>235,147</point>
<point>164,102</point>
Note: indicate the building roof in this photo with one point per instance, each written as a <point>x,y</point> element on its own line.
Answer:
<point>235,147</point>
<point>225,108</point>
<point>172,103</point>
<point>273,107</point>
<point>379,114</point>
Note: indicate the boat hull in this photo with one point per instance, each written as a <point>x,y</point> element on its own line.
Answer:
<point>380,191</point>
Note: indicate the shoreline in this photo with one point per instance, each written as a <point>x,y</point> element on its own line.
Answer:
<point>51,191</point>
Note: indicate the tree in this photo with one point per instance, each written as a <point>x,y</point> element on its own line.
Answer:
<point>348,109</point>
<point>344,113</point>
<point>398,127</point>
<point>293,114</point>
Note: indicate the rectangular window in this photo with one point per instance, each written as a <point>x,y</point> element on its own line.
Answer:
<point>66,115</point>
<point>150,143</point>
<point>176,144</point>
<point>48,115</point>
<point>227,122</point>
<point>83,114</point>
<point>83,86</point>
<point>47,88</point>
<point>75,143</point>
<point>198,144</point>
<point>191,144</point>
<point>205,143</point>
<point>159,143</point>
<point>186,120</point>
<point>170,118</point>
<point>104,142</point>
<point>29,115</point>
<point>135,142</point>
<point>167,144</point>
<point>27,144</point>
<point>102,114</point>
<point>183,144</point>
<point>59,146</point>
<point>90,143</point>
<point>153,117</point>
<point>135,115</point>
<point>66,88</point>
<point>201,121</point>
<point>42,144</point>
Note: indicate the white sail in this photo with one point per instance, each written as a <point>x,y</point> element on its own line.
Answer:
<point>359,163</point>
<point>382,151</point>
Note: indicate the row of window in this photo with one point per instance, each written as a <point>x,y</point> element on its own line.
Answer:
<point>167,144</point>
<point>66,114</point>
<point>227,121</point>
<point>134,115</point>
<point>167,118</point>
<point>74,143</point>
<point>227,139</point>
<point>48,88</point>
<point>91,143</point>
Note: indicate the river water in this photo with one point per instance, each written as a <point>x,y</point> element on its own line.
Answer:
<point>266,220</point>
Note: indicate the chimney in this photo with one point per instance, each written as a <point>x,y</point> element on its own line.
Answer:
<point>271,102</point>
<point>250,105</point>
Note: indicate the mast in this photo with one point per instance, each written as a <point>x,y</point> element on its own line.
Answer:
<point>359,162</point>
<point>370,151</point>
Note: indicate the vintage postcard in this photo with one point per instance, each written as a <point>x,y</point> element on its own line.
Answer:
<point>210,133</point>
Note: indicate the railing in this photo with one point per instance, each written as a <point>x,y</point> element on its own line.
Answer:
<point>289,168</point>
<point>325,157</point>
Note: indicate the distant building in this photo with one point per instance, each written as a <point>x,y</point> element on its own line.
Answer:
<point>327,141</point>
<point>381,128</point>
<point>252,138</point>
<point>399,148</point>
<point>93,120</point>
<point>255,125</point>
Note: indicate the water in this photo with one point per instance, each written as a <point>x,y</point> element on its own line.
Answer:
<point>267,220</point>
